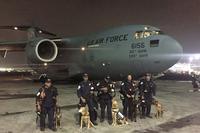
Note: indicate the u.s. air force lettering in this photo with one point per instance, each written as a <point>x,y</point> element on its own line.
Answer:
<point>109,39</point>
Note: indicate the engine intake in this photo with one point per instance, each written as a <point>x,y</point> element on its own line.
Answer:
<point>42,50</point>
<point>46,50</point>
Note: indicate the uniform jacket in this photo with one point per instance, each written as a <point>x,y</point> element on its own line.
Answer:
<point>110,93</point>
<point>128,88</point>
<point>50,96</point>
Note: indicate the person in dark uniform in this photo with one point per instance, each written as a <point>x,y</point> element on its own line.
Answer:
<point>47,103</point>
<point>85,94</point>
<point>195,82</point>
<point>95,101</point>
<point>106,91</point>
<point>147,90</point>
<point>141,101</point>
<point>128,93</point>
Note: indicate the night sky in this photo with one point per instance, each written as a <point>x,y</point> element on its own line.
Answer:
<point>178,18</point>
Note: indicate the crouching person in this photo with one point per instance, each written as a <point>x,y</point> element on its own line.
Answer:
<point>46,105</point>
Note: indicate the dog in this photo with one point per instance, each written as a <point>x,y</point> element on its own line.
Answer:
<point>117,116</point>
<point>136,110</point>
<point>159,109</point>
<point>58,116</point>
<point>141,104</point>
<point>85,118</point>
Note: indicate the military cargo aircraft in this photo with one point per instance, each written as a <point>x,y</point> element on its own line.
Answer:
<point>130,49</point>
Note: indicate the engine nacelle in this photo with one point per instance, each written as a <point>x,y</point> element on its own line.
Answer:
<point>41,50</point>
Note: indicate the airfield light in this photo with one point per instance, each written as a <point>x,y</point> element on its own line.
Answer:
<point>103,64</point>
<point>45,64</point>
<point>15,28</point>
<point>40,31</point>
<point>191,59</point>
<point>6,69</point>
<point>82,48</point>
<point>145,28</point>
<point>197,57</point>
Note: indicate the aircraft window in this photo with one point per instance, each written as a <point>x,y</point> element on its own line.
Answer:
<point>146,33</point>
<point>154,42</point>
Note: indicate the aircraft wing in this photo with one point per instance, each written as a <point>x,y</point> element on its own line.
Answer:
<point>13,45</point>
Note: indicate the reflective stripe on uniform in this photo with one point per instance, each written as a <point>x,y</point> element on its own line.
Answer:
<point>98,84</point>
<point>79,87</point>
<point>38,94</point>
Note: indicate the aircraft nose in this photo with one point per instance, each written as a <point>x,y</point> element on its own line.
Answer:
<point>172,48</point>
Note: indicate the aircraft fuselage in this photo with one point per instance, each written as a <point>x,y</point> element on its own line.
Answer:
<point>133,49</point>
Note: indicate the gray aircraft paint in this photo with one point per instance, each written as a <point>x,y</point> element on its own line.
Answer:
<point>115,51</point>
<point>128,55</point>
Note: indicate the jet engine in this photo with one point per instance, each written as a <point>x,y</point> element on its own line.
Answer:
<point>41,50</point>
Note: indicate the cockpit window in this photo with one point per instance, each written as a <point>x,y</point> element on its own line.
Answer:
<point>146,33</point>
